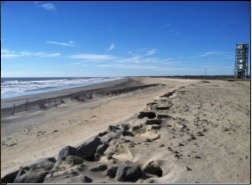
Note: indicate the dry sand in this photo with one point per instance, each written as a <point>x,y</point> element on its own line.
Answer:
<point>189,131</point>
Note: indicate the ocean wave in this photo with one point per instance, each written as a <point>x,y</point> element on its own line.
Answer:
<point>19,87</point>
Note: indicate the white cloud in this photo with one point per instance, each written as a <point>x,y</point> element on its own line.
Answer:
<point>5,53</point>
<point>9,55</point>
<point>67,44</point>
<point>13,54</point>
<point>41,73</point>
<point>131,66</point>
<point>151,52</point>
<point>47,6</point>
<point>208,53</point>
<point>144,61</point>
<point>111,47</point>
<point>143,52</point>
<point>92,57</point>
<point>145,67</point>
<point>135,59</point>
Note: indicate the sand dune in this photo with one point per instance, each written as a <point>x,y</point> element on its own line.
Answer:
<point>181,131</point>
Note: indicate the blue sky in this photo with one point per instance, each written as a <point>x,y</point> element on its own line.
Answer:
<point>75,39</point>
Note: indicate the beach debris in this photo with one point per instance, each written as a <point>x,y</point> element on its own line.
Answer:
<point>170,149</point>
<point>129,172</point>
<point>153,121</point>
<point>102,133</point>
<point>192,137</point>
<point>55,131</point>
<point>151,104</point>
<point>87,179</point>
<point>45,163</point>
<point>127,133</point>
<point>204,81</point>
<point>102,167</point>
<point>189,169</point>
<point>178,156</point>
<point>88,149</point>
<point>181,144</point>
<point>73,160</point>
<point>200,134</point>
<point>154,168</point>
<point>102,148</point>
<point>81,167</point>
<point>10,177</point>
<point>137,127</point>
<point>66,151</point>
<point>149,115</point>
<point>163,107</point>
<point>39,133</point>
<point>169,94</point>
<point>12,144</point>
<point>36,172</point>
<point>111,172</point>
<point>110,136</point>
<point>30,176</point>
<point>155,127</point>
<point>114,128</point>
<point>9,141</point>
<point>100,151</point>
<point>163,116</point>
<point>162,145</point>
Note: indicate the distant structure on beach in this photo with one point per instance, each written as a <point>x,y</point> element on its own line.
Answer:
<point>241,61</point>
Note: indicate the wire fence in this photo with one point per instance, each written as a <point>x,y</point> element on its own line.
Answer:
<point>47,103</point>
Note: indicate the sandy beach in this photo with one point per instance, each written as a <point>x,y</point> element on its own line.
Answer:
<point>138,129</point>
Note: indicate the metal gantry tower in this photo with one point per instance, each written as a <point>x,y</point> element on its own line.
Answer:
<point>241,61</point>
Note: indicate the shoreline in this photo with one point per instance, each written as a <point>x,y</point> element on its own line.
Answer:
<point>35,99</point>
<point>55,98</point>
<point>67,83</point>
<point>8,102</point>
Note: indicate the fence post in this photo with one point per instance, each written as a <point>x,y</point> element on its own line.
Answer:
<point>26,106</point>
<point>43,104</point>
<point>13,110</point>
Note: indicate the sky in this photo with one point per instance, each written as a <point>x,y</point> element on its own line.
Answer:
<point>152,38</point>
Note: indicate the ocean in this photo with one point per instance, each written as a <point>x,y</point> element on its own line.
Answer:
<point>14,87</point>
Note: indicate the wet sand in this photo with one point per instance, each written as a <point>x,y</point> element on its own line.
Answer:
<point>180,131</point>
